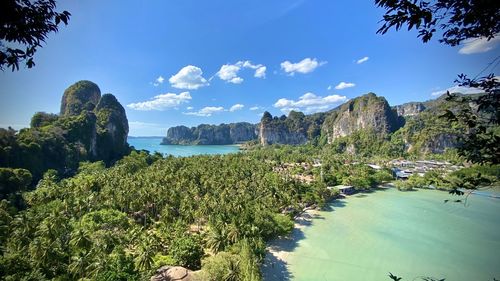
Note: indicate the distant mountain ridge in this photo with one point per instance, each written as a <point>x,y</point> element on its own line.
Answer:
<point>414,122</point>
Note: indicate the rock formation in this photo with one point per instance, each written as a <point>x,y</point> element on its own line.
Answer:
<point>83,95</point>
<point>367,112</point>
<point>211,134</point>
<point>409,109</point>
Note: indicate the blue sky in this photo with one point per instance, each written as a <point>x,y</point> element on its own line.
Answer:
<point>187,62</point>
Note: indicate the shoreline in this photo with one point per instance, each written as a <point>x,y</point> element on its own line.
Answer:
<point>278,251</point>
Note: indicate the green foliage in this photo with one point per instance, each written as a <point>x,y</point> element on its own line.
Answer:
<point>81,96</point>
<point>123,221</point>
<point>13,181</point>
<point>187,251</point>
<point>160,260</point>
<point>41,119</point>
<point>26,24</point>
<point>455,20</point>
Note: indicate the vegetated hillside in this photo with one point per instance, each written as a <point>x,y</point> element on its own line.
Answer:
<point>367,112</point>
<point>297,128</point>
<point>366,124</point>
<point>89,127</point>
<point>211,134</point>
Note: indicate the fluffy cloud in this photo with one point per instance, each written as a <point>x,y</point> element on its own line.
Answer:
<point>255,108</point>
<point>160,102</point>
<point>306,65</point>
<point>189,108</point>
<point>479,45</point>
<point>344,85</point>
<point>189,77</point>
<point>458,89</point>
<point>229,72</point>
<point>362,60</point>
<point>206,111</point>
<point>309,103</point>
<point>235,107</point>
<point>260,72</point>
<point>158,81</point>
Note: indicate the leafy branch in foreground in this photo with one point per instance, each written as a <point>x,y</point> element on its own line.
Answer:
<point>480,115</point>
<point>458,19</point>
<point>26,25</point>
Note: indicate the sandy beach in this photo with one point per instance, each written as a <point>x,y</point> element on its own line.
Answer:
<point>278,251</point>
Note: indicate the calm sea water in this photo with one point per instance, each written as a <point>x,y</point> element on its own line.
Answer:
<point>410,234</point>
<point>153,145</point>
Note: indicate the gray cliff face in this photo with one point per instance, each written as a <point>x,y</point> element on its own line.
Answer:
<point>112,128</point>
<point>440,143</point>
<point>211,134</point>
<point>409,109</point>
<point>283,130</point>
<point>242,132</point>
<point>178,135</point>
<point>269,134</point>
<point>367,112</point>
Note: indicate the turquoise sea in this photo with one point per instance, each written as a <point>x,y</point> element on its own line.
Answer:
<point>410,234</point>
<point>152,144</point>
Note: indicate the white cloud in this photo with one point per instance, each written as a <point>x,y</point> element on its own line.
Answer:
<point>189,108</point>
<point>362,60</point>
<point>344,85</point>
<point>309,103</point>
<point>158,81</point>
<point>235,107</point>
<point>458,89</point>
<point>260,72</point>
<point>329,87</point>
<point>189,77</point>
<point>479,45</point>
<point>206,111</point>
<point>160,102</point>
<point>306,65</point>
<point>254,108</point>
<point>229,72</point>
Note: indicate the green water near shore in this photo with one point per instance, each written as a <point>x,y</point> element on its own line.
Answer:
<point>410,234</point>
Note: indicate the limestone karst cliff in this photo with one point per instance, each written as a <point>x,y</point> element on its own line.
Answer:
<point>367,112</point>
<point>90,127</point>
<point>211,134</point>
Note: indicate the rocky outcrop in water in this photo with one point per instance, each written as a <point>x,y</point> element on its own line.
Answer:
<point>205,134</point>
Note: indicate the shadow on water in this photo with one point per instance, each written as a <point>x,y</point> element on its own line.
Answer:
<point>274,266</point>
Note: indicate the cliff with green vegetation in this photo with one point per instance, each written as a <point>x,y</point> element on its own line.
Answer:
<point>296,128</point>
<point>426,132</point>
<point>205,134</point>
<point>365,125</point>
<point>367,112</point>
<point>89,127</point>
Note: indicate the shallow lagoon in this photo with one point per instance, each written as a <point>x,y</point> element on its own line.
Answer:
<point>153,145</point>
<point>410,234</point>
